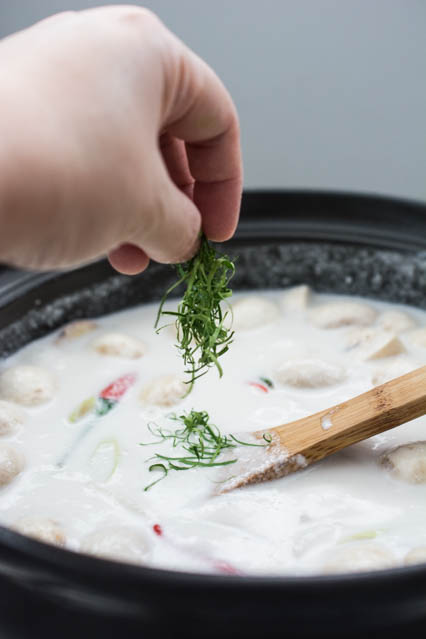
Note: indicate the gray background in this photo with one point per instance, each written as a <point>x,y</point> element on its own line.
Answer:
<point>331,93</point>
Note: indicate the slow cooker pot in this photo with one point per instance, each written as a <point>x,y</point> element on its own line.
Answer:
<point>341,243</point>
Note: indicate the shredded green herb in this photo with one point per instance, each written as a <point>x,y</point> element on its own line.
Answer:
<point>202,336</point>
<point>267,381</point>
<point>201,441</point>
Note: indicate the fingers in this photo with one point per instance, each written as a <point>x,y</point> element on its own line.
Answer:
<point>176,161</point>
<point>201,143</point>
<point>201,113</point>
<point>128,259</point>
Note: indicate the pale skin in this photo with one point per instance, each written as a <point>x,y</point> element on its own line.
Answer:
<point>116,139</point>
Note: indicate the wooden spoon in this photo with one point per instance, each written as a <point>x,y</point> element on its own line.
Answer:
<point>300,443</point>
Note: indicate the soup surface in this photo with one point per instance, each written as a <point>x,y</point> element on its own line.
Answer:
<point>76,406</point>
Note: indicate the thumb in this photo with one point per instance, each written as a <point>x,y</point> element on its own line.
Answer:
<point>166,228</point>
<point>170,231</point>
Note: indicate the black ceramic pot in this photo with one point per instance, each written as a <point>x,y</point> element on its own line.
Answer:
<point>350,244</point>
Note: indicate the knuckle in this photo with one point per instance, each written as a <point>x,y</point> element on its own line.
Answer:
<point>134,16</point>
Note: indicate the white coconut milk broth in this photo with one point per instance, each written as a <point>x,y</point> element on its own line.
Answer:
<point>301,524</point>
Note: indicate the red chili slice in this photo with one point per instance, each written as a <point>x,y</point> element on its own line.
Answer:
<point>261,387</point>
<point>157,529</point>
<point>119,387</point>
<point>225,567</point>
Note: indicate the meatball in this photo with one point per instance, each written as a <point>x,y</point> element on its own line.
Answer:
<point>416,556</point>
<point>337,314</point>
<point>119,345</point>
<point>11,417</point>
<point>46,530</point>
<point>253,312</point>
<point>27,385</point>
<point>76,329</point>
<point>407,462</point>
<point>296,298</point>
<point>309,373</point>
<point>164,391</point>
<point>120,543</point>
<point>11,464</point>
<point>359,557</point>
<point>396,321</point>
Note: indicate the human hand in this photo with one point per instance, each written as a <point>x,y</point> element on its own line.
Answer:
<point>114,137</point>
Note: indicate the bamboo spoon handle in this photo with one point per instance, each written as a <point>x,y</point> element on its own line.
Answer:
<point>373,412</point>
<point>380,409</point>
<point>302,442</point>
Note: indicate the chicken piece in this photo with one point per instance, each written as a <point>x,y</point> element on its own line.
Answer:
<point>396,321</point>
<point>394,368</point>
<point>76,329</point>
<point>337,314</point>
<point>11,464</point>
<point>359,557</point>
<point>253,312</point>
<point>407,462</point>
<point>120,543</point>
<point>309,373</point>
<point>166,390</point>
<point>46,530</point>
<point>119,345</point>
<point>296,299</point>
<point>417,337</point>
<point>415,556</point>
<point>374,343</point>
<point>11,418</point>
